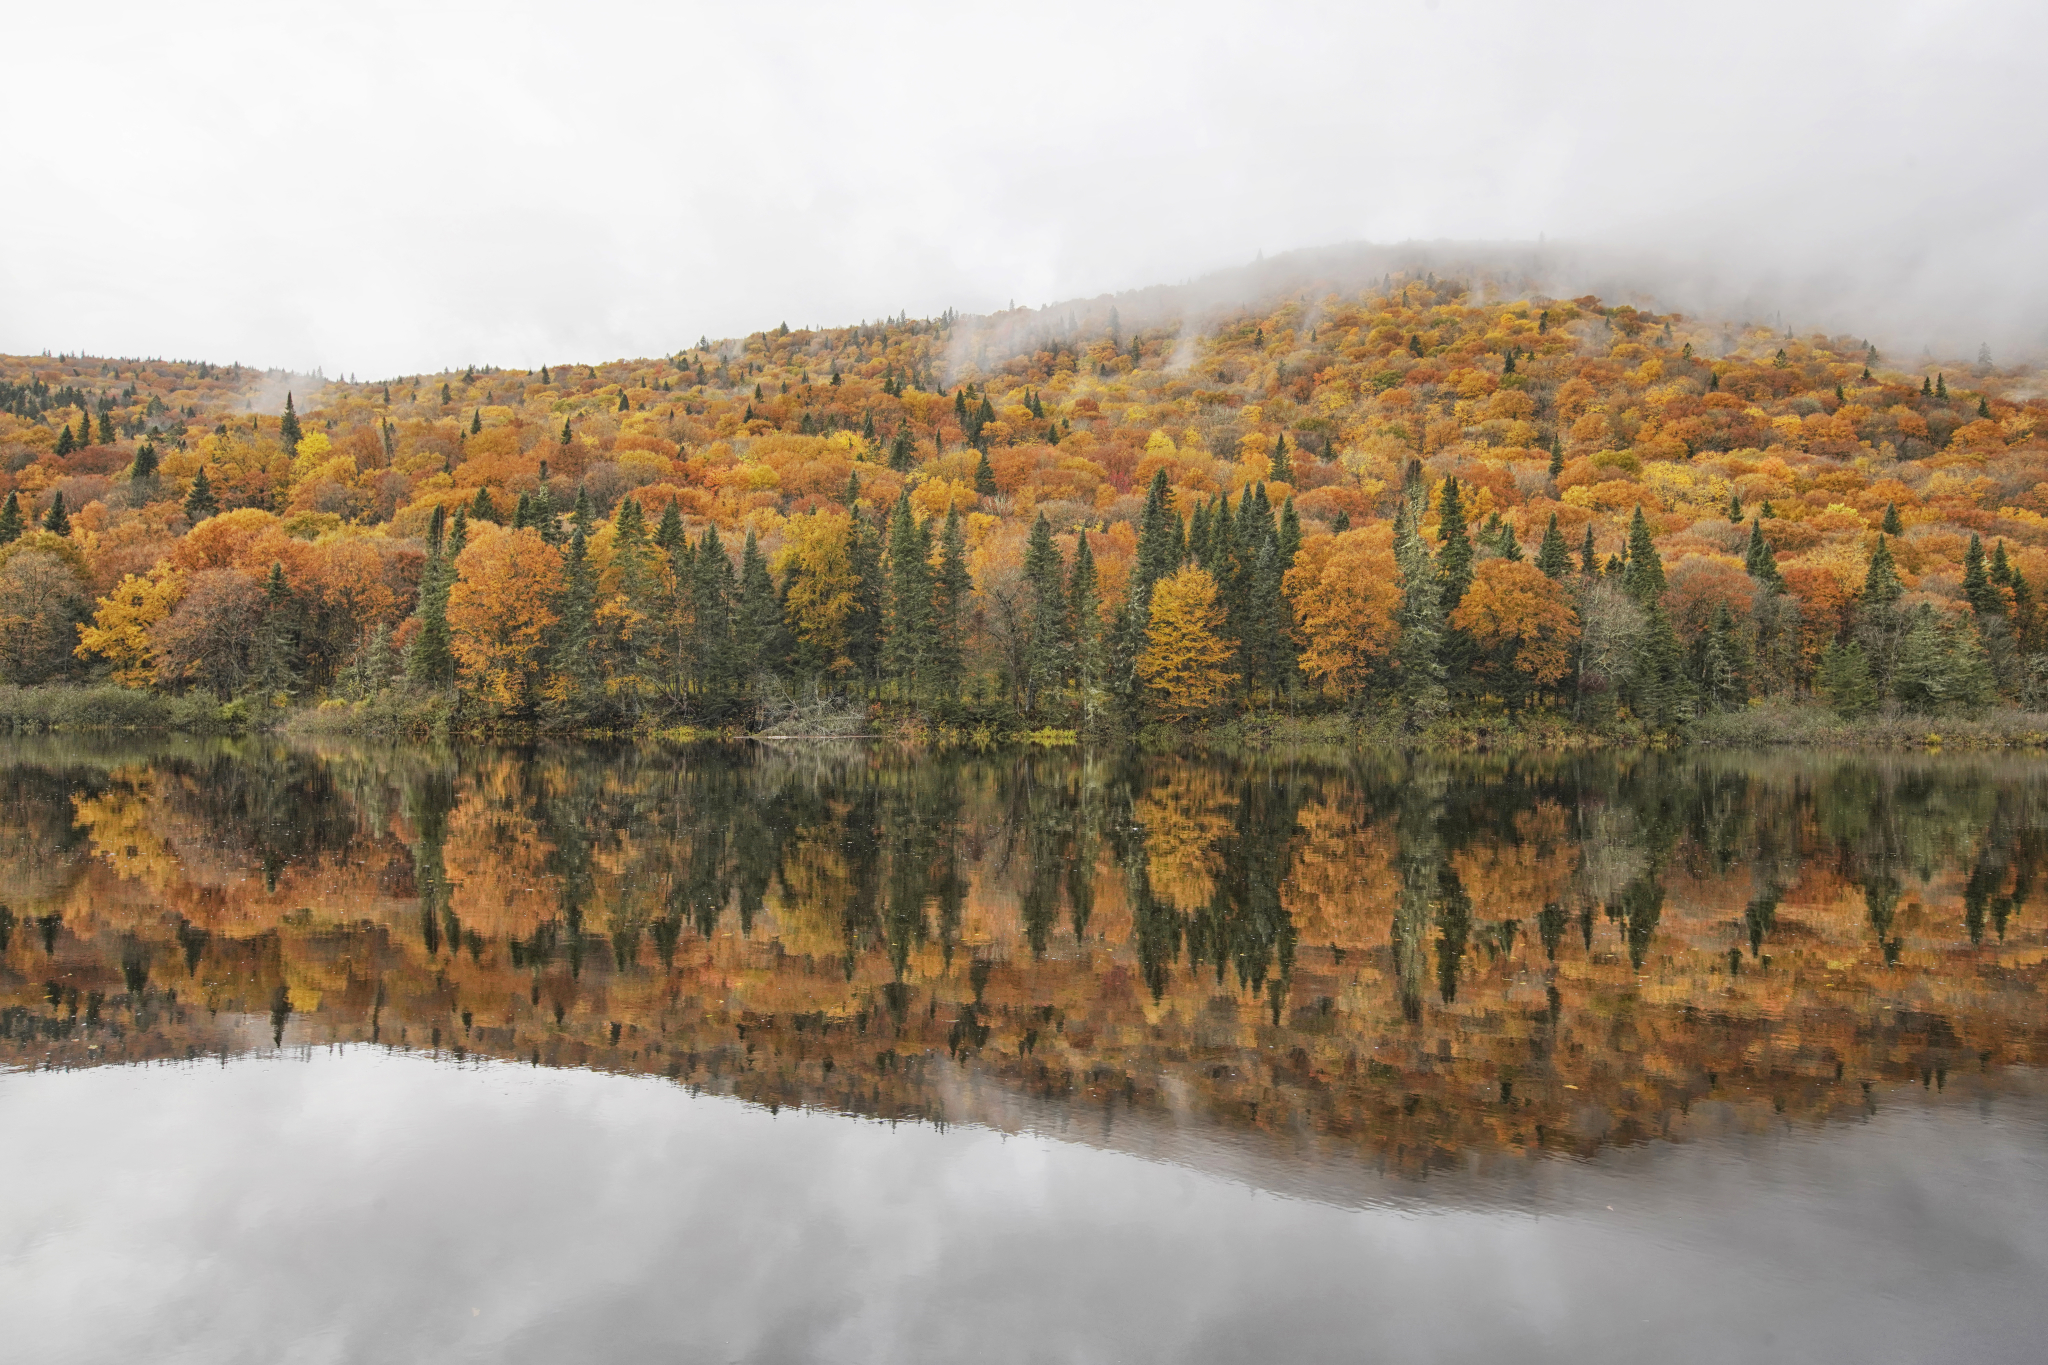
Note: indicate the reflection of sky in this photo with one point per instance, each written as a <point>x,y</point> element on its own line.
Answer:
<point>361,1206</point>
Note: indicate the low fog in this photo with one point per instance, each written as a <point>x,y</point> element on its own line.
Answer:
<point>378,190</point>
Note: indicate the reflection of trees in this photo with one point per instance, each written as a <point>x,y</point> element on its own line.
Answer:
<point>788,925</point>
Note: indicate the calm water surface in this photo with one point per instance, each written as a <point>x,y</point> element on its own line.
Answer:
<point>338,1054</point>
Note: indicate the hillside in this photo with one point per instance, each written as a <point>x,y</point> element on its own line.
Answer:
<point>1419,490</point>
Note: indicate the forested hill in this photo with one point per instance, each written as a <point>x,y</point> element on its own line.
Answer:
<point>1406,493</point>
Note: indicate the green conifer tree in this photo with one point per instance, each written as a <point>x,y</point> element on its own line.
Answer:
<point>907,649</point>
<point>578,692</point>
<point>1554,557</point>
<point>712,586</point>
<point>985,477</point>
<point>274,672</point>
<point>10,520</point>
<point>1049,650</point>
<point>1454,547</point>
<point>1084,623</point>
<point>482,508</point>
<point>1645,577</point>
<point>1892,525</point>
<point>1589,559</point>
<point>288,429</point>
<point>1734,510</point>
<point>1844,680</point>
<point>1418,649</point>
<point>57,521</point>
<point>142,473</point>
<point>758,619</point>
<point>950,605</point>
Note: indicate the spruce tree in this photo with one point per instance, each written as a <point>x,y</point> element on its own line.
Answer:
<point>712,586</point>
<point>275,672</point>
<point>1589,559</point>
<point>985,477</point>
<point>288,429</point>
<point>1760,561</point>
<point>476,422</point>
<point>57,521</point>
<point>1984,598</point>
<point>566,435</point>
<point>1554,557</point>
<point>906,657</point>
<point>65,445</point>
<point>950,604</point>
<point>106,436</point>
<point>1084,613</point>
<point>1556,456</point>
<point>142,472</point>
<point>1734,510</point>
<point>1892,525</point>
<point>864,622</point>
<point>1454,547</point>
<point>1047,648</point>
<point>578,682</point>
<point>1881,586</point>
<point>10,520</point>
<point>1844,680</point>
<point>1420,671</point>
<point>482,508</point>
<point>758,618</point>
<point>1645,577</point>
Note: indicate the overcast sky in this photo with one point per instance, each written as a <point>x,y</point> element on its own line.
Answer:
<point>386,188</point>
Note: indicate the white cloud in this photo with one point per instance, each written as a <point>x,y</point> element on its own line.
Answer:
<point>383,188</point>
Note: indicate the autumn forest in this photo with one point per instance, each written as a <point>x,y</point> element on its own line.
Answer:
<point>1428,499</point>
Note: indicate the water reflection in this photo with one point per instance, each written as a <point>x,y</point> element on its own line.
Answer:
<point>1414,963</point>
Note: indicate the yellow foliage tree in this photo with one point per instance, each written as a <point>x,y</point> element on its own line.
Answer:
<point>122,625</point>
<point>1345,590</point>
<point>500,611</point>
<point>1186,659</point>
<point>822,588</point>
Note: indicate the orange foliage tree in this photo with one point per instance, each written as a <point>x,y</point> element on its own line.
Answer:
<point>1520,618</point>
<point>500,611</point>
<point>1345,590</point>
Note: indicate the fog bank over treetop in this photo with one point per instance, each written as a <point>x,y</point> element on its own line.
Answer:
<point>389,190</point>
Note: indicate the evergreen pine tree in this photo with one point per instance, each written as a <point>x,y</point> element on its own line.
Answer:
<point>1084,623</point>
<point>1556,456</point>
<point>864,622</point>
<point>1881,586</point>
<point>65,445</point>
<point>1892,525</point>
<point>1941,388</point>
<point>1589,559</point>
<point>1047,648</point>
<point>476,422</point>
<point>142,473</point>
<point>1734,510</point>
<point>907,651</point>
<point>712,586</point>
<point>578,689</point>
<point>1984,598</point>
<point>199,501</point>
<point>1554,557</point>
<point>106,436</point>
<point>1844,680</point>
<point>758,618</point>
<point>1417,651</point>
<point>1340,523</point>
<point>57,521</point>
<point>1289,534</point>
<point>1645,578</point>
<point>10,520</point>
<point>288,429</point>
<point>950,604</point>
<point>566,436</point>
<point>985,477</point>
<point>482,508</point>
<point>275,674</point>
<point>1454,547</point>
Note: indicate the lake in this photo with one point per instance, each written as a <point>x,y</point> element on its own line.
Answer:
<point>337,1052</point>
